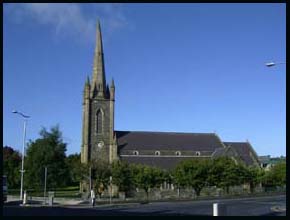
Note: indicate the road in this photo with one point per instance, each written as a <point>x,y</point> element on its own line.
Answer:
<point>258,206</point>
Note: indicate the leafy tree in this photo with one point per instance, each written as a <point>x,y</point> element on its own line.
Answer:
<point>225,173</point>
<point>180,176</point>
<point>193,173</point>
<point>253,176</point>
<point>276,176</point>
<point>75,168</point>
<point>279,173</point>
<point>83,174</point>
<point>121,176</point>
<point>46,151</point>
<point>146,177</point>
<point>167,176</point>
<point>134,171</point>
<point>11,166</point>
<point>101,173</point>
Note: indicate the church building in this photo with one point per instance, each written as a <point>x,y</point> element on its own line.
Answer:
<point>101,142</point>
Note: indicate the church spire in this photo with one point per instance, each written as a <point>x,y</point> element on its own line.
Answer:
<point>99,78</point>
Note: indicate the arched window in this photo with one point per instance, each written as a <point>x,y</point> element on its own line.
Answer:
<point>157,153</point>
<point>135,153</point>
<point>99,121</point>
<point>177,153</point>
<point>197,153</point>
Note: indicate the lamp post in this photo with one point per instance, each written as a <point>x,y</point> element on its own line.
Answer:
<point>90,178</point>
<point>270,64</point>
<point>110,189</point>
<point>23,149</point>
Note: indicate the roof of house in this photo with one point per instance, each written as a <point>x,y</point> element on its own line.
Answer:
<point>140,140</point>
<point>227,151</point>
<point>245,151</point>
<point>271,160</point>
<point>219,152</point>
<point>265,159</point>
<point>160,162</point>
<point>144,142</point>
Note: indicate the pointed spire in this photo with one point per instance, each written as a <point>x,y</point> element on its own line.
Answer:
<point>112,83</point>
<point>88,81</point>
<point>99,78</point>
<point>99,41</point>
<point>112,90</point>
<point>87,88</point>
<point>107,91</point>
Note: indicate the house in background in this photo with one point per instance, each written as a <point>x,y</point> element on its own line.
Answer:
<point>266,162</point>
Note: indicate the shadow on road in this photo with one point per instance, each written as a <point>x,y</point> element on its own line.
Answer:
<point>30,202</point>
<point>275,214</point>
<point>62,211</point>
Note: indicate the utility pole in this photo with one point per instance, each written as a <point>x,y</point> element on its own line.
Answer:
<point>90,178</point>
<point>110,189</point>
<point>22,161</point>
<point>23,150</point>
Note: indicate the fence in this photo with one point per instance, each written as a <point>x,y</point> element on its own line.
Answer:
<point>158,194</point>
<point>67,192</point>
<point>207,192</point>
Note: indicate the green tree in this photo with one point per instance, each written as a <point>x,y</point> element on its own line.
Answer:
<point>121,176</point>
<point>146,177</point>
<point>11,166</point>
<point>224,173</point>
<point>193,173</point>
<point>75,168</point>
<point>253,176</point>
<point>167,176</point>
<point>46,151</point>
<point>101,173</point>
<point>276,176</point>
<point>179,176</point>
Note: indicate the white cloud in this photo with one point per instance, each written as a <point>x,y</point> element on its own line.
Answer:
<point>118,20</point>
<point>68,19</point>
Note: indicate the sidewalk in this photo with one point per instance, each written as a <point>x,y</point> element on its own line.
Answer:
<point>39,202</point>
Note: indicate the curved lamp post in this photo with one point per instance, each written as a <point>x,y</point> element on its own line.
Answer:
<point>23,147</point>
<point>270,64</point>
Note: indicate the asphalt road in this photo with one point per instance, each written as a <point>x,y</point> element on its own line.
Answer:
<point>259,206</point>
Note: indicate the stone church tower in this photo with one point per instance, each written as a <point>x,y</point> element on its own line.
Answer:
<point>98,138</point>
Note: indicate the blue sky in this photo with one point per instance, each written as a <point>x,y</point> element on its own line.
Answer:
<point>177,67</point>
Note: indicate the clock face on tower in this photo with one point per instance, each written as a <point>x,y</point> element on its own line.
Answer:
<point>100,144</point>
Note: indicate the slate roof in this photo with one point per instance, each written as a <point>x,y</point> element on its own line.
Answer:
<point>209,144</point>
<point>219,152</point>
<point>144,142</point>
<point>245,151</point>
<point>161,162</point>
<point>271,160</point>
<point>265,159</point>
<point>141,140</point>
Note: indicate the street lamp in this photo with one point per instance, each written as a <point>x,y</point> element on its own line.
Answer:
<point>90,178</point>
<point>110,189</point>
<point>22,163</point>
<point>270,64</point>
